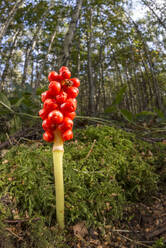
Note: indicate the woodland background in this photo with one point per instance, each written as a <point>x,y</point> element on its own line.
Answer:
<point>119,59</point>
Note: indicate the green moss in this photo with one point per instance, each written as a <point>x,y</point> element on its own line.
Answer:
<point>104,168</point>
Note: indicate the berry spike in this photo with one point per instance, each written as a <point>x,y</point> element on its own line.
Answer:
<point>58,113</point>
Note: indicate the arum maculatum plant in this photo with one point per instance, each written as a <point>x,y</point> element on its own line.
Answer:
<point>59,106</point>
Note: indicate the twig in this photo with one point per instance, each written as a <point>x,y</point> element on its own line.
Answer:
<point>134,241</point>
<point>14,234</point>
<point>20,220</point>
<point>91,149</point>
<point>10,142</point>
<point>124,231</point>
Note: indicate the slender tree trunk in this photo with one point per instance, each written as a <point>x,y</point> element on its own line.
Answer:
<point>32,73</point>
<point>25,64</point>
<point>33,44</point>
<point>29,51</point>
<point>45,60</point>
<point>158,100</point>
<point>64,57</point>
<point>90,78</point>
<point>102,77</point>
<point>130,107</point>
<point>10,18</point>
<point>140,97</point>
<point>5,71</point>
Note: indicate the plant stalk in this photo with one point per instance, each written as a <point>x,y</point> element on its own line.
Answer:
<point>58,174</point>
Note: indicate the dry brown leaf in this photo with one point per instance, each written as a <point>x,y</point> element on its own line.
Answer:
<point>80,230</point>
<point>150,153</point>
<point>5,161</point>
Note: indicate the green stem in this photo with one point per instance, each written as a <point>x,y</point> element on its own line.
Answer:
<point>58,173</point>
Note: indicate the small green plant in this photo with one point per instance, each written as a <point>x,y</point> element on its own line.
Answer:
<point>159,243</point>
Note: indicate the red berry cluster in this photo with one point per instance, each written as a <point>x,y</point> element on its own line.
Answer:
<point>59,104</point>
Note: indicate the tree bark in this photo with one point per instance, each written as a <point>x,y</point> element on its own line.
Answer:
<point>64,57</point>
<point>10,18</point>
<point>157,94</point>
<point>45,60</point>
<point>90,78</point>
<point>32,46</point>
<point>5,71</point>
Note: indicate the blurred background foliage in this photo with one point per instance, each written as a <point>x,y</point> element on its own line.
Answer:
<point>119,57</point>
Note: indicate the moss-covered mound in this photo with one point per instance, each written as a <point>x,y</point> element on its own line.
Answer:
<point>104,169</point>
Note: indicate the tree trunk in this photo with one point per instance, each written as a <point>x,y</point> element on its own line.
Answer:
<point>5,71</point>
<point>90,78</point>
<point>158,100</point>
<point>44,61</point>
<point>10,18</point>
<point>33,44</point>
<point>64,57</point>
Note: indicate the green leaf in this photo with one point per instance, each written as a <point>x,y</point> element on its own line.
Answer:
<point>127,115</point>
<point>18,103</point>
<point>39,91</point>
<point>5,102</point>
<point>119,96</point>
<point>159,113</point>
<point>117,100</point>
<point>145,113</point>
<point>110,109</point>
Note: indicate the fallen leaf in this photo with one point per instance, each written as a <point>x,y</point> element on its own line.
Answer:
<point>80,230</point>
<point>5,161</point>
<point>150,153</point>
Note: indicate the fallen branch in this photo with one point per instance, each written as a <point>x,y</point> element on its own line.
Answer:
<point>20,220</point>
<point>135,241</point>
<point>29,132</point>
<point>14,234</point>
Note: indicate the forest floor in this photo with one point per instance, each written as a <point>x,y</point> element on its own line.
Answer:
<point>142,222</point>
<point>146,228</point>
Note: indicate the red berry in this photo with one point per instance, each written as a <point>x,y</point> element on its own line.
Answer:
<point>71,115</point>
<point>76,82</point>
<point>65,87</point>
<point>48,136</point>
<point>66,124</point>
<point>50,104</point>
<point>69,105</point>
<point>55,117</point>
<point>44,96</point>
<point>43,114</point>
<point>47,125</point>
<point>54,87</point>
<point>72,92</point>
<point>66,74</point>
<point>61,97</point>
<point>59,78</point>
<point>52,76</point>
<point>67,135</point>
<point>63,68</point>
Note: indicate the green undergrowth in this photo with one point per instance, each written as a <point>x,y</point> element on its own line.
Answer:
<point>104,170</point>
